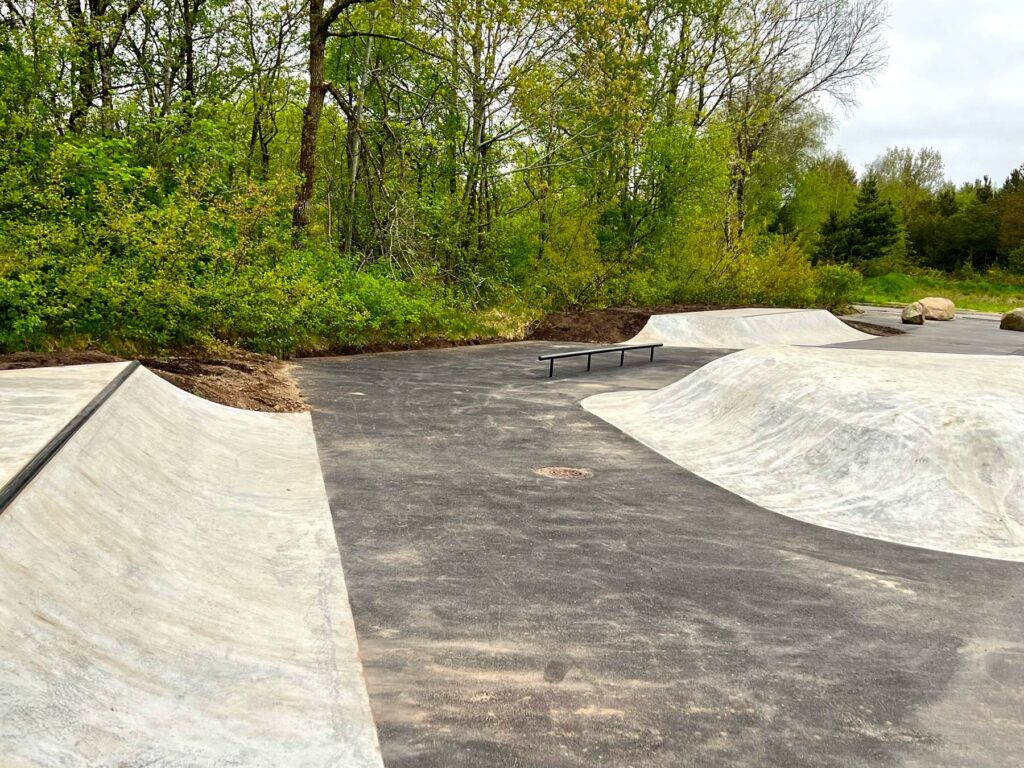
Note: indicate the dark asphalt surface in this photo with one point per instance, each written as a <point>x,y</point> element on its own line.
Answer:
<point>642,617</point>
<point>971,333</point>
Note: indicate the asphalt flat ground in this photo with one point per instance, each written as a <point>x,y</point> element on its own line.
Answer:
<point>643,616</point>
<point>970,333</point>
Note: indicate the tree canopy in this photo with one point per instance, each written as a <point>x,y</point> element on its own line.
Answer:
<point>297,175</point>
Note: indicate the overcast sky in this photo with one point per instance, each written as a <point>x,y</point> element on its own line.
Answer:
<point>954,81</point>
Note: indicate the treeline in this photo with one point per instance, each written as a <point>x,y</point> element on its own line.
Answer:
<point>300,176</point>
<point>903,213</point>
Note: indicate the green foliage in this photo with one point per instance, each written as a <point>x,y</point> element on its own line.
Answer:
<point>823,194</point>
<point>872,231</point>
<point>204,266</point>
<point>994,291</point>
<point>838,285</point>
<point>1015,261</point>
<point>475,163</point>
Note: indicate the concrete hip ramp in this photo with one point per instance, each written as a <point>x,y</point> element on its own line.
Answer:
<point>170,586</point>
<point>745,328</point>
<point>921,449</point>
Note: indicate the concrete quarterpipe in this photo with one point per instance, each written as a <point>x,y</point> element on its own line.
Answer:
<point>916,448</point>
<point>170,586</point>
<point>744,328</point>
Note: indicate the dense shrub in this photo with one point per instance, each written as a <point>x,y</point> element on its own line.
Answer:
<point>101,252</point>
<point>837,285</point>
<point>759,270</point>
<point>111,267</point>
<point>777,272</point>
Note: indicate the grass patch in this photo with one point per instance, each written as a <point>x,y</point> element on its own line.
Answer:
<point>991,292</point>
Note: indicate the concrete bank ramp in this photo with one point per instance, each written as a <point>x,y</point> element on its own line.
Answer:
<point>915,448</point>
<point>36,404</point>
<point>745,328</point>
<point>170,587</point>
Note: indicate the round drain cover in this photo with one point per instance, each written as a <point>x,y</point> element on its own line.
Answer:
<point>564,473</point>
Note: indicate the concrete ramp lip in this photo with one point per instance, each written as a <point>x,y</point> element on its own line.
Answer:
<point>171,591</point>
<point>747,327</point>
<point>40,402</point>
<point>922,449</point>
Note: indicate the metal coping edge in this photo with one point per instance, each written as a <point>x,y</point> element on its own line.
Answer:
<point>10,491</point>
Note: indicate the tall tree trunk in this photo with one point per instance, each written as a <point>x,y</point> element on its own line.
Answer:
<point>107,87</point>
<point>311,115</point>
<point>355,146</point>
<point>474,180</point>
<point>319,29</point>
<point>84,66</point>
<point>189,55</point>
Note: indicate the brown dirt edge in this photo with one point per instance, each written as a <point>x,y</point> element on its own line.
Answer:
<point>242,379</point>
<point>874,330</point>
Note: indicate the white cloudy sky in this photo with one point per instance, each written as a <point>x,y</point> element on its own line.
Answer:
<point>954,81</point>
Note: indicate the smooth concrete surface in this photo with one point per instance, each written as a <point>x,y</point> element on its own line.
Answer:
<point>745,328</point>
<point>171,595</point>
<point>970,333</point>
<point>643,616</point>
<point>917,448</point>
<point>36,403</point>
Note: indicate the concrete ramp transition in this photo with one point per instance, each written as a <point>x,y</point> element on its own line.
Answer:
<point>745,328</point>
<point>170,587</point>
<point>915,448</point>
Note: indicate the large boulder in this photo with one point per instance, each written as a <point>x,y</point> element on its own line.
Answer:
<point>936,308</point>
<point>913,314</point>
<point>1013,320</point>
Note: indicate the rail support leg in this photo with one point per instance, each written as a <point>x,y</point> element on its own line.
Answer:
<point>588,362</point>
<point>551,369</point>
<point>622,358</point>
<point>652,354</point>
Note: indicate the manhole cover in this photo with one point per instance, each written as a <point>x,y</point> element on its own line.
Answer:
<point>564,473</point>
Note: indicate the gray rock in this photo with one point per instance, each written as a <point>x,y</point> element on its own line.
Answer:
<point>1013,320</point>
<point>913,314</point>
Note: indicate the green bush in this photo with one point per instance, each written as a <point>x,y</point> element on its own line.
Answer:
<point>100,251</point>
<point>110,267</point>
<point>1015,261</point>
<point>993,291</point>
<point>778,272</point>
<point>837,285</point>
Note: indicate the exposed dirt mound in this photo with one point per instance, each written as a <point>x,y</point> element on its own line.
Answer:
<point>618,324</point>
<point>244,380</point>
<point>874,330</point>
<point>48,359</point>
<point>241,380</point>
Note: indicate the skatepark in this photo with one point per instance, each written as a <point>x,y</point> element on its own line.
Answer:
<point>806,552</point>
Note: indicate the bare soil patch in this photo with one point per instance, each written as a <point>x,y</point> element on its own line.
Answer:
<point>17,360</point>
<point>243,380</point>
<point>874,330</point>
<point>617,324</point>
<point>239,379</point>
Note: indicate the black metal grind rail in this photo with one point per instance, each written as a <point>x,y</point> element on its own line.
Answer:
<point>622,350</point>
<point>34,466</point>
